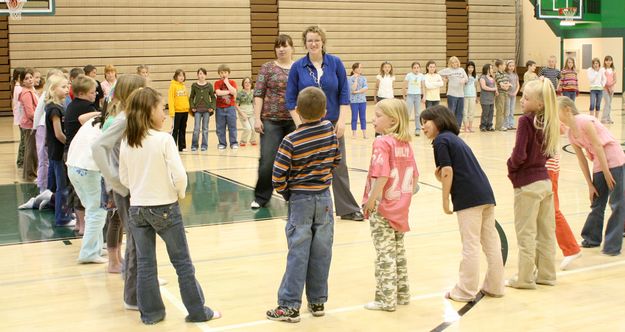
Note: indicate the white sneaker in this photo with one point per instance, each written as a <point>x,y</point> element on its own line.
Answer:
<point>28,205</point>
<point>71,223</point>
<point>131,307</point>
<point>568,260</point>
<point>255,205</point>
<point>375,305</point>
<point>97,260</point>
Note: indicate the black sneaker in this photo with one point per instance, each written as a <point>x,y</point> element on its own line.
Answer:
<point>355,216</point>
<point>316,309</point>
<point>283,314</point>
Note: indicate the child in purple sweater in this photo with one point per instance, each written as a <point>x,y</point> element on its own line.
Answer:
<point>534,215</point>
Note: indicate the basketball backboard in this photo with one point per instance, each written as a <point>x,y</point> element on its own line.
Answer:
<point>31,7</point>
<point>550,9</point>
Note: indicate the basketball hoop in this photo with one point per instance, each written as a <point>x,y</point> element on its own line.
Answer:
<point>15,8</point>
<point>568,13</point>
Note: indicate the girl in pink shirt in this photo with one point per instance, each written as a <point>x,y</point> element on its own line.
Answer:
<point>391,181</point>
<point>608,89</point>
<point>608,181</point>
<point>28,99</point>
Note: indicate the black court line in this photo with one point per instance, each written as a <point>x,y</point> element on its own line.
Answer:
<point>442,326</point>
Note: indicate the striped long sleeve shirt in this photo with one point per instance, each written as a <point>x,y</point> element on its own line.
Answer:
<point>306,159</point>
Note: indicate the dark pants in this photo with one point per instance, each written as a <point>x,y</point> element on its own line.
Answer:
<point>486,121</point>
<point>570,94</point>
<point>274,132</point>
<point>130,261</point>
<point>344,202</point>
<point>591,233</point>
<point>430,103</point>
<point>57,182</point>
<point>180,130</point>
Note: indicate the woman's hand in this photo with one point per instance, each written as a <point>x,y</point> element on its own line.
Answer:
<point>258,126</point>
<point>339,129</point>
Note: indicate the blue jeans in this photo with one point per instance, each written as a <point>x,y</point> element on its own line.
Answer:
<point>201,119</point>
<point>226,117</point>
<point>57,182</point>
<point>89,189</point>
<point>595,100</point>
<point>309,234</point>
<point>359,110</point>
<point>166,221</point>
<point>591,233</point>
<point>414,105</point>
<point>273,133</point>
<point>456,106</point>
<point>570,94</point>
<point>508,120</point>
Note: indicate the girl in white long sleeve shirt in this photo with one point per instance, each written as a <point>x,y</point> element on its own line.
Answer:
<point>150,166</point>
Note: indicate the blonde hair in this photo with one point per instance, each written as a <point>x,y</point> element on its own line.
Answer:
<point>82,84</point>
<point>311,103</point>
<point>54,81</point>
<point>546,119</point>
<point>139,121</point>
<point>318,30</point>
<point>110,69</point>
<point>54,71</point>
<point>566,63</point>
<point>397,110</point>
<point>453,59</point>
<point>566,102</point>
<point>125,85</point>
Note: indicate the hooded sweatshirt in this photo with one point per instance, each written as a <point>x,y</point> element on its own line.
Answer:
<point>178,98</point>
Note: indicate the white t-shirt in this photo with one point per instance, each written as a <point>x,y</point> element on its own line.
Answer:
<point>79,153</point>
<point>154,172</point>
<point>385,89</point>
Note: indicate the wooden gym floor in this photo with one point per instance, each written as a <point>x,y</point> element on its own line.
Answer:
<point>239,256</point>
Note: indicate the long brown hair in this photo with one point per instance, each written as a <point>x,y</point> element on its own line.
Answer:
<point>125,85</point>
<point>139,109</point>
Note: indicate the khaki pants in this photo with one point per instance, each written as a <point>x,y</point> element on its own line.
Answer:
<point>534,222</point>
<point>391,270</point>
<point>477,226</point>
<point>500,109</point>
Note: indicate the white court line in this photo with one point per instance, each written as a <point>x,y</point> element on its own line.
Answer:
<point>204,326</point>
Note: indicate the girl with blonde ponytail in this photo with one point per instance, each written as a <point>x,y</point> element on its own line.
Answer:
<point>534,217</point>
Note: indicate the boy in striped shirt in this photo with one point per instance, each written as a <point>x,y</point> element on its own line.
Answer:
<point>302,174</point>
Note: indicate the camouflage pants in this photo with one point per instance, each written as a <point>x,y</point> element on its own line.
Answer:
<point>391,270</point>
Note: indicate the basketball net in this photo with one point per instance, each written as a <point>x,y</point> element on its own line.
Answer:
<point>568,13</point>
<point>15,8</point>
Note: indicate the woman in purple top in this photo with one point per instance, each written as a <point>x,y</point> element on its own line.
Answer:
<point>273,119</point>
<point>326,71</point>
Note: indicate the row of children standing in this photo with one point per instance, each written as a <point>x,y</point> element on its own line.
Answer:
<point>222,100</point>
<point>601,79</point>
<point>499,89</point>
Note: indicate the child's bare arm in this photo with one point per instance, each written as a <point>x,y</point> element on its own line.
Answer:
<point>58,130</point>
<point>375,193</point>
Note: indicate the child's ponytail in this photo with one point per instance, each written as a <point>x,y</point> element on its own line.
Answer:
<point>548,121</point>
